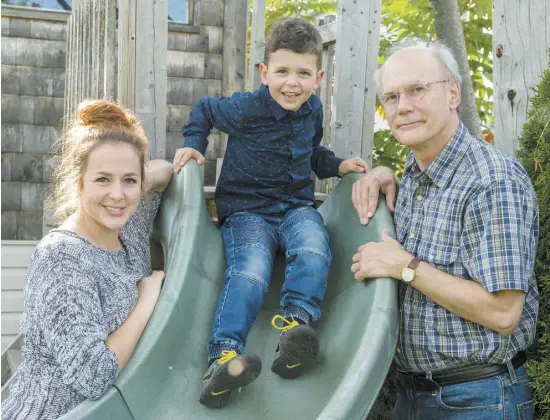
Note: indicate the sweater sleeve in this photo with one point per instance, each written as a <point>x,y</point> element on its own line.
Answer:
<point>74,330</point>
<point>141,222</point>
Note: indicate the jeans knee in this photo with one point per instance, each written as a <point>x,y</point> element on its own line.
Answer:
<point>254,264</point>
<point>314,255</point>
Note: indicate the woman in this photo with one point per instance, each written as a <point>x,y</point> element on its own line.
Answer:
<point>89,287</point>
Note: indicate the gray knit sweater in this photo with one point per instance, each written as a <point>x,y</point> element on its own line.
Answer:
<point>75,296</point>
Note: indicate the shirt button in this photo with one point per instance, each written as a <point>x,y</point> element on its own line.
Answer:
<point>419,197</point>
<point>411,236</point>
<point>398,350</point>
<point>430,257</point>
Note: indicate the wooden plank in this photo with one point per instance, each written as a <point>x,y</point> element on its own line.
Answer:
<point>326,94</point>
<point>126,53</point>
<point>14,359</point>
<point>110,58</point>
<point>17,242</point>
<point>256,40</point>
<point>12,301</point>
<point>17,255</point>
<point>35,13</point>
<point>7,339</point>
<point>10,323</point>
<point>78,53</point>
<point>13,278</point>
<point>151,72</point>
<point>356,52</point>
<point>183,27</point>
<point>234,50</point>
<point>94,48</point>
<point>328,30</point>
<point>520,41</point>
<point>88,50</point>
<point>68,74</point>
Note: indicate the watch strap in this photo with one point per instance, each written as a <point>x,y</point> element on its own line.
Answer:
<point>414,263</point>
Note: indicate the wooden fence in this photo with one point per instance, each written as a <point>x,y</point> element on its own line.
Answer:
<point>91,66</point>
<point>117,51</point>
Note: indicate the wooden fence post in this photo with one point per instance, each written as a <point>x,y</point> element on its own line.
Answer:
<point>234,51</point>
<point>150,71</point>
<point>520,55</point>
<point>357,37</point>
<point>257,39</point>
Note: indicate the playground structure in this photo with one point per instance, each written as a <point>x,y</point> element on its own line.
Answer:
<point>117,50</point>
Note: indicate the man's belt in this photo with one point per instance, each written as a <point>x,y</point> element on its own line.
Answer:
<point>459,375</point>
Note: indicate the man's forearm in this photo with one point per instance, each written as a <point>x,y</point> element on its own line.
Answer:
<point>498,311</point>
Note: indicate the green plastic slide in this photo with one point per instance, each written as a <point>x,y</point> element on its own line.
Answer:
<point>358,327</point>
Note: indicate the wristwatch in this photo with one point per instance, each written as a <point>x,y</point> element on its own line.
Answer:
<point>408,273</point>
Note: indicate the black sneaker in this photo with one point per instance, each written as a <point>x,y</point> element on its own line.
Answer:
<point>230,371</point>
<point>297,349</point>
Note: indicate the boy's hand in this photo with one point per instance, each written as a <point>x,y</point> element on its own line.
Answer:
<point>183,155</point>
<point>352,165</point>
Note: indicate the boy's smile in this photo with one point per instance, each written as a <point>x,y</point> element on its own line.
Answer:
<point>291,77</point>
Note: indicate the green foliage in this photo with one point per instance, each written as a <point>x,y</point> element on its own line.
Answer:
<point>306,9</point>
<point>534,154</point>
<point>388,152</point>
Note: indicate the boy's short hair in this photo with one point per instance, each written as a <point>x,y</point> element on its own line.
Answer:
<point>296,35</point>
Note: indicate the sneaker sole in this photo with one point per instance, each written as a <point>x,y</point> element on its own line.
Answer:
<point>238,372</point>
<point>298,352</point>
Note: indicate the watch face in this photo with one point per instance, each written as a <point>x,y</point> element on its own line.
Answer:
<point>407,274</point>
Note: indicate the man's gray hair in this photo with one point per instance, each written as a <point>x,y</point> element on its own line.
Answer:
<point>442,52</point>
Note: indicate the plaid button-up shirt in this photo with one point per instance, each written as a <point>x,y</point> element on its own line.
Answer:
<point>472,213</point>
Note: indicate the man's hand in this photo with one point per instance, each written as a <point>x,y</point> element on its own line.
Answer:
<point>366,190</point>
<point>380,259</point>
<point>183,155</point>
<point>352,165</point>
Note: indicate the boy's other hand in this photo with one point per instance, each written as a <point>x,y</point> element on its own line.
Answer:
<point>353,165</point>
<point>183,155</point>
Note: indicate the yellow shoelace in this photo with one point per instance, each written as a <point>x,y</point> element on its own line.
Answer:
<point>289,325</point>
<point>227,355</point>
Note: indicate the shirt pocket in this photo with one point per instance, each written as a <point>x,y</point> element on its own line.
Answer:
<point>440,255</point>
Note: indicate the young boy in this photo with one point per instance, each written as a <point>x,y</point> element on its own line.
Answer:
<point>265,201</point>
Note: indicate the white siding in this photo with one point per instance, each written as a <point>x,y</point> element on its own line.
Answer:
<point>15,258</point>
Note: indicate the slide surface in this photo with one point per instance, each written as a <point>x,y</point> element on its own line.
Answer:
<point>358,327</point>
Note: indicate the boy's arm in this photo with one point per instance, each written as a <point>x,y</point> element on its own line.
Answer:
<point>224,114</point>
<point>323,161</point>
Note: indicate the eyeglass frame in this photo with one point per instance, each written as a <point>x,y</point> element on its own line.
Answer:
<point>398,93</point>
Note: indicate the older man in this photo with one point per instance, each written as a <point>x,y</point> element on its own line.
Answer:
<point>466,219</point>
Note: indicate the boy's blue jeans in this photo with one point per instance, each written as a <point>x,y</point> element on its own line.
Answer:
<point>505,396</point>
<point>251,242</point>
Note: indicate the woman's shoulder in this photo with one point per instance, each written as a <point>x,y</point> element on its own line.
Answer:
<point>62,261</point>
<point>61,245</point>
<point>61,252</point>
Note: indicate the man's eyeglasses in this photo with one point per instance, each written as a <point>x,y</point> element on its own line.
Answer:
<point>414,91</point>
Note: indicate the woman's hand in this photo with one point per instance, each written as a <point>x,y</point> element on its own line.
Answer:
<point>149,287</point>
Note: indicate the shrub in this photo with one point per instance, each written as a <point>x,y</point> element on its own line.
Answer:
<point>534,155</point>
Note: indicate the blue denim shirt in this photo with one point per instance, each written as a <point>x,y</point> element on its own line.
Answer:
<point>270,152</point>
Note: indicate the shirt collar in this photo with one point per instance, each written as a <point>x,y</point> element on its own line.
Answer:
<point>444,166</point>
<point>278,111</point>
